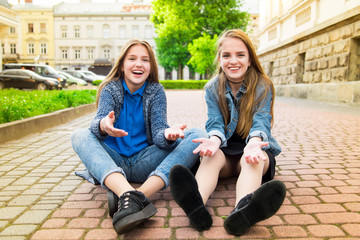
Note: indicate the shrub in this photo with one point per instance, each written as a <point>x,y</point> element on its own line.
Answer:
<point>96,82</point>
<point>183,84</point>
<point>17,104</point>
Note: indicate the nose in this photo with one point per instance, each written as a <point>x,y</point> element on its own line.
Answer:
<point>138,63</point>
<point>233,59</point>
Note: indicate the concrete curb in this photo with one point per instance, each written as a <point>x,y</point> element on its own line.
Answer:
<point>21,128</point>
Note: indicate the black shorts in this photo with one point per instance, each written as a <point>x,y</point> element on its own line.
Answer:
<point>269,175</point>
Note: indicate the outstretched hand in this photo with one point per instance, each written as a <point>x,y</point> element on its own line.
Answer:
<point>208,147</point>
<point>107,126</point>
<point>173,133</point>
<point>253,152</point>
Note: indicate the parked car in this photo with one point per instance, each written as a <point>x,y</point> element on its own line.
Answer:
<point>80,75</point>
<point>93,75</point>
<point>72,81</point>
<point>22,78</point>
<point>41,69</point>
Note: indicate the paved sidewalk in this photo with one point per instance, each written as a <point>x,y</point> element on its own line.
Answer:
<point>41,198</point>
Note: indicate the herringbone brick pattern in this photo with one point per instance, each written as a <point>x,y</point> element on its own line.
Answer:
<point>41,198</point>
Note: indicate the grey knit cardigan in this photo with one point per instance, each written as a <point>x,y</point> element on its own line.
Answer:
<point>154,110</point>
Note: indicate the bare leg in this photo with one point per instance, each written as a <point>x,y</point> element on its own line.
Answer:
<point>208,173</point>
<point>250,177</point>
<point>117,183</point>
<point>151,186</point>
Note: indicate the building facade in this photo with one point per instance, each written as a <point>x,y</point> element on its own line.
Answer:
<point>8,34</point>
<point>87,31</point>
<point>36,33</point>
<point>310,48</point>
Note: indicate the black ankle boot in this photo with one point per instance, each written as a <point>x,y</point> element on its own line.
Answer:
<point>255,207</point>
<point>184,190</point>
<point>113,201</point>
<point>134,208</point>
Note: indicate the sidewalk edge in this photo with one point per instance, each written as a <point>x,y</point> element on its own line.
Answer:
<point>21,128</point>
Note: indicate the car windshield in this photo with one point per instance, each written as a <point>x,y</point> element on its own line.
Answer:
<point>89,73</point>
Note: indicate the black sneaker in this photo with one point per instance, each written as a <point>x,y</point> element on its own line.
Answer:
<point>255,207</point>
<point>113,201</point>
<point>184,190</point>
<point>134,209</point>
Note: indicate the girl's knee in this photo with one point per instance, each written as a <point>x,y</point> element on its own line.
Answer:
<point>245,165</point>
<point>79,136</point>
<point>197,133</point>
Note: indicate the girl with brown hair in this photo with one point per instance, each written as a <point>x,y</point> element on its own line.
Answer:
<point>130,139</point>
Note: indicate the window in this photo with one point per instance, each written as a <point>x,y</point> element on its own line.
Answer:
<point>3,48</point>
<point>30,27</point>
<point>89,31</point>
<point>91,53</point>
<point>31,48</point>
<point>43,27</point>
<point>106,31</point>
<point>122,31</point>
<point>77,31</point>
<point>12,30</point>
<point>148,32</point>
<point>77,53</point>
<point>107,53</point>
<point>63,32</point>
<point>43,48</point>
<point>13,48</point>
<point>135,31</point>
<point>64,53</point>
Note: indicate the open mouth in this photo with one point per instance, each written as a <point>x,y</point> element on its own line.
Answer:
<point>234,68</point>
<point>138,73</point>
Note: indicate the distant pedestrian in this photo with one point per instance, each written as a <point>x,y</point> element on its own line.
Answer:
<point>239,102</point>
<point>129,139</point>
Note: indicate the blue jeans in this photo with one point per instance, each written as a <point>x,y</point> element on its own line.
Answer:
<point>101,160</point>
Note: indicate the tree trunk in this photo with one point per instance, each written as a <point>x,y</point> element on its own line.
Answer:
<point>180,72</point>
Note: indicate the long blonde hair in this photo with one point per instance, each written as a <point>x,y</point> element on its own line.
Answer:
<point>116,72</point>
<point>255,75</point>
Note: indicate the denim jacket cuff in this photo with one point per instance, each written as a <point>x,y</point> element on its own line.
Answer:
<point>220,135</point>
<point>257,133</point>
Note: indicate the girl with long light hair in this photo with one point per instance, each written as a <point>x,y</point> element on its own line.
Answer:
<point>240,101</point>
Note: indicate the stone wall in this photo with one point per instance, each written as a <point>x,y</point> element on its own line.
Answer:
<point>322,66</point>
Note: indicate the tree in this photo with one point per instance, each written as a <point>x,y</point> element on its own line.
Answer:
<point>179,22</point>
<point>202,52</point>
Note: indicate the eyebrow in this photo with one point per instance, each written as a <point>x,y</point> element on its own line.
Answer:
<point>134,55</point>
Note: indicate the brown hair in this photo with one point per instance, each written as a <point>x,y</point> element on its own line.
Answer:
<point>116,72</point>
<point>254,75</point>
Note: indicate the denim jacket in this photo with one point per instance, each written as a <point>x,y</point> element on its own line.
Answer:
<point>261,126</point>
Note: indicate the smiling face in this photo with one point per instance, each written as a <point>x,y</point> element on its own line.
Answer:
<point>136,67</point>
<point>234,59</point>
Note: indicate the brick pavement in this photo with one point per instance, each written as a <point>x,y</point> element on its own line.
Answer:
<point>41,198</point>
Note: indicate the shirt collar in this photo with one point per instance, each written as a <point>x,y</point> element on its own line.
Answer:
<point>140,91</point>
<point>242,89</point>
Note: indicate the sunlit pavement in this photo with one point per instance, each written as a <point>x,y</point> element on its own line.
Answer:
<point>41,198</point>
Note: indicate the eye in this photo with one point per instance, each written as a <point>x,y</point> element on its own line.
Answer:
<point>225,55</point>
<point>146,60</point>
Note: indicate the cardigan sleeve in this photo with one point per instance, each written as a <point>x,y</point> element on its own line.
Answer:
<point>106,105</point>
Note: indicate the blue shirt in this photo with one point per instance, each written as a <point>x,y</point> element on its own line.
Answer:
<point>131,120</point>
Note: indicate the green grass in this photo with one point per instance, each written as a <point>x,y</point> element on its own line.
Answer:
<point>18,104</point>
